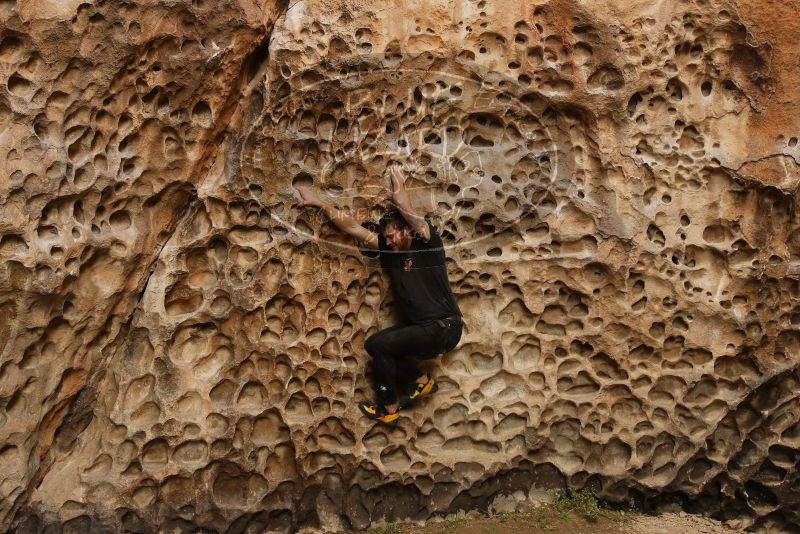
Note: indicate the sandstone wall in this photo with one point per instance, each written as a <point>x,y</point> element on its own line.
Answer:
<point>617,183</point>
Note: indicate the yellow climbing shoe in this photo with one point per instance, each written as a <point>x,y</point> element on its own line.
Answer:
<point>378,412</point>
<point>423,390</point>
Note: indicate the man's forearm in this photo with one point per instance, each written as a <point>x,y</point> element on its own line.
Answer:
<point>414,220</point>
<point>403,203</point>
<point>340,218</point>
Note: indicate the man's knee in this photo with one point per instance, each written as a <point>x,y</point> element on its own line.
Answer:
<point>374,345</point>
<point>382,343</point>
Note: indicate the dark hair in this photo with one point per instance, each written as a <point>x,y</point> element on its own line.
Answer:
<point>393,217</point>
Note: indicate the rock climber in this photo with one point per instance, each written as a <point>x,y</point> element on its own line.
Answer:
<point>411,250</point>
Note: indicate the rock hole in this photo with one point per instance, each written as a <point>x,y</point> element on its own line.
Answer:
<point>12,244</point>
<point>18,86</point>
<point>201,114</point>
<point>120,220</point>
<point>303,179</point>
<point>10,47</point>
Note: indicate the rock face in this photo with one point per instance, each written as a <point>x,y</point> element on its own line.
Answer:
<point>617,183</point>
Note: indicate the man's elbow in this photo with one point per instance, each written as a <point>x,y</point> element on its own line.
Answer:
<point>424,232</point>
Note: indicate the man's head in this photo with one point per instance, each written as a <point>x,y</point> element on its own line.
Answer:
<point>395,230</point>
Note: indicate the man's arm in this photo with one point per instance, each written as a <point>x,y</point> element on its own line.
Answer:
<point>341,219</point>
<point>401,199</point>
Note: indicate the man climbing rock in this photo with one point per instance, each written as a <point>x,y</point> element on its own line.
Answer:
<point>412,252</point>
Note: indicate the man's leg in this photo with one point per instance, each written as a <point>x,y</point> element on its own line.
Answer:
<point>384,364</point>
<point>388,349</point>
<point>408,373</point>
<point>424,384</point>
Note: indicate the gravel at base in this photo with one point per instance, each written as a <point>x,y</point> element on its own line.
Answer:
<point>679,523</point>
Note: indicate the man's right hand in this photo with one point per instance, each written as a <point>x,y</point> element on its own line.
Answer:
<point>308,197</point>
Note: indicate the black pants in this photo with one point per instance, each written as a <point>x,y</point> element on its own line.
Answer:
<point>393,349</point>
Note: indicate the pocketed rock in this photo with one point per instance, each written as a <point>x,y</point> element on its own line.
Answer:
<point>182,348</point>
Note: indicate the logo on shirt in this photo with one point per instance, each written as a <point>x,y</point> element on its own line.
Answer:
<point>407,265</point>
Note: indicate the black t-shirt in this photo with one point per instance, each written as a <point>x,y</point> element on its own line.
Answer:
<point>419,278</point>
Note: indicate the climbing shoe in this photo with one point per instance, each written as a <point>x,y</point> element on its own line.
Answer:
<point>377,412</point>
<point>422,390</point>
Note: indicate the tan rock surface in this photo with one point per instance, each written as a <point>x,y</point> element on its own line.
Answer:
<point>182,348</point>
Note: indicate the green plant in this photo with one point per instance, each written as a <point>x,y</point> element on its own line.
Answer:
<point>389,528</point>
<point>504,517</point>
<point>539,519</point>
<point>448,525</point>
<point>582,502</point>
<point>617,516</point>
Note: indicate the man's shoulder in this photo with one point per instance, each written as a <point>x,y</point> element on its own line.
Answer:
<point>373,252</point>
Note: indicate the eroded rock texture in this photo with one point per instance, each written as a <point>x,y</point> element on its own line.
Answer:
<point>182,348</point>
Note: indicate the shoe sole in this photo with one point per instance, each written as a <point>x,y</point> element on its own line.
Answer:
<point>392,423</point>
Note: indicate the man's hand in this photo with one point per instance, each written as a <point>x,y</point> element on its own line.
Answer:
<point>403,203</point>
<point>399,194</point>
<point>308,197</point>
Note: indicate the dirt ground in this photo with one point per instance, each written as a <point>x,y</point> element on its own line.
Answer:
<point>680,524</point>
<point>549,519</point>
